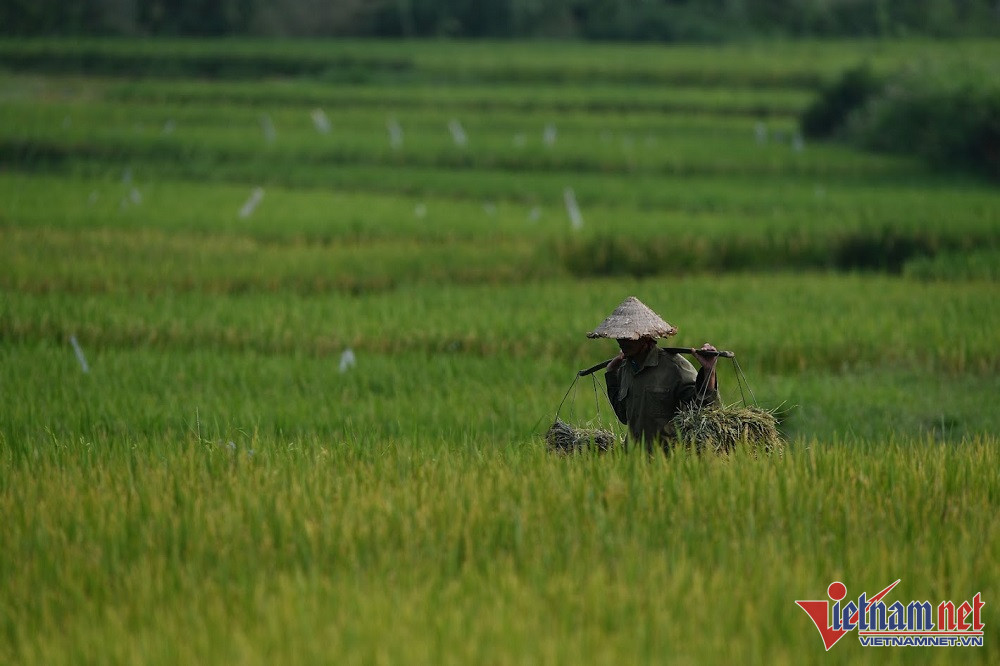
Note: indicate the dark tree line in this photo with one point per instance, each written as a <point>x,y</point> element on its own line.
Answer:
<point>641,20</point>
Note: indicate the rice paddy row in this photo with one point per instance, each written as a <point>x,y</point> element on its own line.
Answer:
<point>785,323</point>
<point>760,64</point>
<point>690,186</point>
<point>108,544</point>
<point>122,233</point>
<point>523,143</point>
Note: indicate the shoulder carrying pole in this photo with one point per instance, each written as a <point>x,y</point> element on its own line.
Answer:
<point>673,350</point>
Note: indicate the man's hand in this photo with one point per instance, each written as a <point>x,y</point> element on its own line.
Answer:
<point>616,361</point>
<point>707,362</point>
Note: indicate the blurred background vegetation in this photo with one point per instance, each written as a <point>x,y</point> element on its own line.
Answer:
<point>631,20</point>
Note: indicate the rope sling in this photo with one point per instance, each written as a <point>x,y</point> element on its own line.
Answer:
<point>720,427</point>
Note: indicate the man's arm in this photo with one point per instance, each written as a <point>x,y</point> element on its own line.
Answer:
<point>705,390</point>
<point>613,379</point>
<point>708,366</point>
<point>696,393</point>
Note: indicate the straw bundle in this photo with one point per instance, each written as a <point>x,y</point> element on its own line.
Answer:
<point>564,438</point>
<point>722,429</point>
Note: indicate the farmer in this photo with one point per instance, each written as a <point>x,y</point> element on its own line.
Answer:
<point>647,385</point>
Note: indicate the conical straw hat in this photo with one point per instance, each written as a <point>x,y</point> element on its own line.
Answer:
<point>633,320</point>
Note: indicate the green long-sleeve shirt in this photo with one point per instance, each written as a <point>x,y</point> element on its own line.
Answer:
<point>646,394</point>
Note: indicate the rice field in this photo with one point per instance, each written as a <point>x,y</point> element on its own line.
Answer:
<point>283,326</point>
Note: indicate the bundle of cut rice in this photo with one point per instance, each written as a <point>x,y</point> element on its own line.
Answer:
<point>564,438</point>
<point>722,429</point>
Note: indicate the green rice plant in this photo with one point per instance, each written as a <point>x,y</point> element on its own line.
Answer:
<point>943,327</point>
<point>134,394</point>
<point>982,264</point>
<point>141,261</point>
<point>795,63</point>
<point>265,359</point>
<point>606,98</point>
<point>65,132</point>
<point>454,204</point>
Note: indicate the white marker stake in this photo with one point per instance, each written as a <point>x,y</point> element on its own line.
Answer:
<point>251,204</point>
<point>549,135</point>
<point>395,134</point>
<point>320,120</point>
<point>572,209</point>
<point>267,125</point>
<point>347,360</point>
<point>79,354</point>
<point>760,132</point>
<point>132,197</point>
<point>457,133</point>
